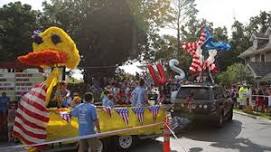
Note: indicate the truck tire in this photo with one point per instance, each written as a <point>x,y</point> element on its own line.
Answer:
<point>219,120</point>
<point>124,143</point>
<point>230,115</point>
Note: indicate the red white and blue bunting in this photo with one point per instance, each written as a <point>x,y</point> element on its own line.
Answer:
<point>124,114</point>
<point>139,111</point>
<point>154,110</point>
<point>108,110</point>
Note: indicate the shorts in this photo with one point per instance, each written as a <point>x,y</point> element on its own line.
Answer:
<point>90,145</point>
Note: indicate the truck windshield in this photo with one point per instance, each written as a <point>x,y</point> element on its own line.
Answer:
<point>196,93</point>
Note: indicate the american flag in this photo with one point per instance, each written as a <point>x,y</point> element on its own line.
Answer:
<point>191,48</point>
<point>196,65</point>
<point>124,114</point>
<point>210,66</point>
<point>154,110</point>
<point>32,116</point>
<point>139,111</point>
<point>108,110</point>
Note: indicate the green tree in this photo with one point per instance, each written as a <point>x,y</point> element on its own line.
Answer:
<point>181,10</point>
<point>234,74</point>
<point>239,42</point>
<point>17,21</point>
<point>259,23</point>
<point>107,32</point>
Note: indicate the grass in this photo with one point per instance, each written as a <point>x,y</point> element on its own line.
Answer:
<point>266,115</point>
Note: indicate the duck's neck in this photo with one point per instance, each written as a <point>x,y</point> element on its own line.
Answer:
<point>50,82</point>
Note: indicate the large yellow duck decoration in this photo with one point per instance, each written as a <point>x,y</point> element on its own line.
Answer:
<point>52,48</point>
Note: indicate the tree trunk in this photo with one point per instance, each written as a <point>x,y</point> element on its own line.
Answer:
<point>178,29</point>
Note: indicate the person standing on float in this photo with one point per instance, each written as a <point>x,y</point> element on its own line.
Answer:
<point>139,95</point>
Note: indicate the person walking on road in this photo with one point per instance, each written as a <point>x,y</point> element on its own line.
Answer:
<point>87,119</point>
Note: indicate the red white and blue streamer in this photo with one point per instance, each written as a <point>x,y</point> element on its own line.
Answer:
<point>108,110</point>
<point>154,110</point>
<point>191,48</point>
<point>32,116</point>
<point>124,114</point>
<point>139,111</point>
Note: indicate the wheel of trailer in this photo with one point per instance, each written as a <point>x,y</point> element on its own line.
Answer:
<point>101,148</point>
<point>124,143</point>
<point>107,144</point>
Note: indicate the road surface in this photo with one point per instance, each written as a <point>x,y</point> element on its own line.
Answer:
<point>243,134</point>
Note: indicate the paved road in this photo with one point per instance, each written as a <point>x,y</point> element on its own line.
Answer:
<point>243,134</point>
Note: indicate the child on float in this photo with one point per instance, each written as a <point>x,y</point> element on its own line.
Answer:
<point>76,100</point>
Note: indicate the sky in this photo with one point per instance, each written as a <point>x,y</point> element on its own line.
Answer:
<point>220,12</point>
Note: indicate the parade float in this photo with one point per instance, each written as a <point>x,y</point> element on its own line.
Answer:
<point>35,123</point>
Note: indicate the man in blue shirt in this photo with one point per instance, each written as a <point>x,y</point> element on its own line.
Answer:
<point>106,101</point>
<point>4,102</point>
<point>139,95</point>
<point>87,119</point>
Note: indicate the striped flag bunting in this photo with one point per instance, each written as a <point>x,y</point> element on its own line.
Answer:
<point>108,110</point>
<point>124,114</point>
<point>154,110</point>
<point>139,111</point>
<point>32,116</point>
<point>65,116</point>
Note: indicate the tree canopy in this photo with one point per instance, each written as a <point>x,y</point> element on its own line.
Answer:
<point>17,21</point>
<point>108,33</point>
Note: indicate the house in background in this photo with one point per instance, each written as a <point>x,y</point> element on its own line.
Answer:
<point>258,56</point>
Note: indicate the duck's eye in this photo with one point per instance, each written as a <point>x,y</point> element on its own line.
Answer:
<point>55,39</point>
<point>38,39</point>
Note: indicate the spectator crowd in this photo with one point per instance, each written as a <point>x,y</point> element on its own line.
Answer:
<point>256,98</point>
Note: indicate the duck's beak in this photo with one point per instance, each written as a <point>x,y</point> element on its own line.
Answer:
<point>48,57</point>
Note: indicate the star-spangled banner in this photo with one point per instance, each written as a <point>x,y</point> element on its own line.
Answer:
<point>154,110</point>
<point>139,111</point>
<point>124,114</point>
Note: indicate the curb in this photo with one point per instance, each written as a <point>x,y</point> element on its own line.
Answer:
<point>251,116</point>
